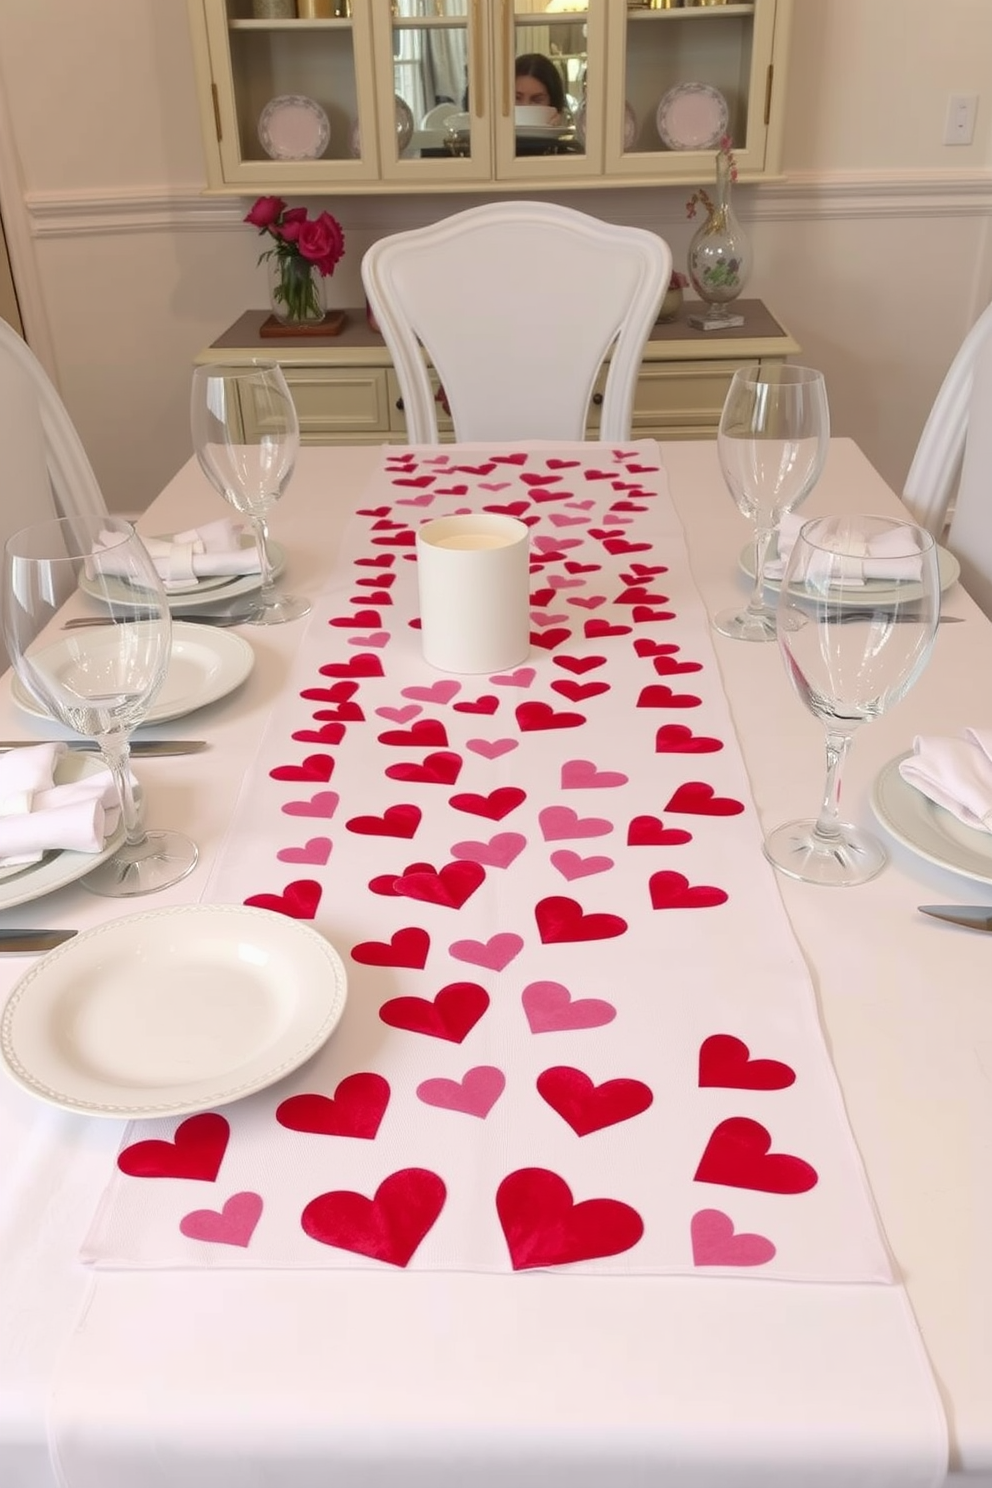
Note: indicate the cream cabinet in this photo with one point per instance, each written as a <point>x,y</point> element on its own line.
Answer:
<point>420,94</point>
<point>346,391</point>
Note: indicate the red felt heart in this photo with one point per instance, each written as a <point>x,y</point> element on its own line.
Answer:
<point>494,807</point>
<point>658,695</point>
<point>595,628</point>
<point>362,664</point>
<point>451,1015</point>
<point>355,1110</point>
<point>358,621</point>
<point>554,464</point>
<point>385,883</point>
<point>588,1107</point>
<point>543,1225</point>
<point>442,768</point>
<point>579,664</point>
<point>696,798</point>
<point>547,640</point>
<point>400,540</point>
<point>396,821</point>
<point>572,567</point>
<point>638,594</point>
<point>645,647</point>
<point>726,1061</point>
<point>426,731</point>
<point>384,525</point>
<point>485,704</point>
<point>670,890</point>
<point>340,692</point>
<point>451,885</point>
<point>343,712</point>
<point>196,1151</point>
<point>648,831</point>
<point>641,613</point>
<point>381,560</point>
<point>389,1226</point>
<point>407,947</point>
<point>737,1154</point>
<point>678,738</point>
<point>667,666</point>
<point>560,919</point>
<point>298,901</point>
<point>377,597</point>
<point>328,733</point>
<point>534,716</point>
<point>621,545</point>
<point>374,511</point>
<point>318,767</point>
<point>576,692</point>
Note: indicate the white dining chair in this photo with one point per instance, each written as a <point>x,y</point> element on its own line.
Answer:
<point>46,472</point>
<point>948,488</point>
<point>516,304</point>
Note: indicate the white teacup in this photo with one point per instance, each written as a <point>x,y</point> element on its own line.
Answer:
<point>535,113</point>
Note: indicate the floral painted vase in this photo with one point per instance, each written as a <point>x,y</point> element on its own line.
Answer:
<point>719,253</point>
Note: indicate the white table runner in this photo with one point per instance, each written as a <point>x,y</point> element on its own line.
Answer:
<point>579,1031</point>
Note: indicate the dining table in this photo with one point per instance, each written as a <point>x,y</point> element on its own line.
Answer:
<point>127,1361</point>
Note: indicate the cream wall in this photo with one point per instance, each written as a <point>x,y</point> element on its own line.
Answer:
<point>874,248</point>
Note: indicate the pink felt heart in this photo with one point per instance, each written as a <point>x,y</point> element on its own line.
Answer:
<point>715,1242</point>
<point>491,748</point>
<point>580,774</point>
<point>499,852</point>
<point>561,822</point>
<point>324,804</point>
<point>551,1008</point>
<point>232,1225</point>
<point>474,1094</point>
<point>316,850</point>
<point>570,865</point>
<point>522,677</point>
<point>495,954</point>
<point>438,692</point>
<point>377,638</point>
<point>399,715</point>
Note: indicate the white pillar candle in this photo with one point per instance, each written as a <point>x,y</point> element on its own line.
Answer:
<point>473,575</point>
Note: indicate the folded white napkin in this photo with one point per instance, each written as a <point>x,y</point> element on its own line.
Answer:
<point>955,773</point>
<point>38,816</point>
<point>862,565</point>
<point>205,552</point>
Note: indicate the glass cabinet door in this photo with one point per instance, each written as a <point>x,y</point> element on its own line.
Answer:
<point>435,124</point>
<point>550,88</point>
<point>291,94</point>
<point>685,74</point>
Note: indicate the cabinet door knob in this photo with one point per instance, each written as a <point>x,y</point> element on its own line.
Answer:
<point>597,398</point>
<point>399,404</point>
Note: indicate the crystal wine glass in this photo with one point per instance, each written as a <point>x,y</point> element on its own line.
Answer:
<point>772,443</point>
<point>98,681</point>
<point>246,435</point>
<point>857,615</point>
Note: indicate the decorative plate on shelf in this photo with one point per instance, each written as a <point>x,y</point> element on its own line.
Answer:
<point>692,116</point>
<point>404,129</point>
<point>293,127</point>
<point>629,125</point>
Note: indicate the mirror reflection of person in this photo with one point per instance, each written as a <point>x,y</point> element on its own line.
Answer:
<point>537,81</point>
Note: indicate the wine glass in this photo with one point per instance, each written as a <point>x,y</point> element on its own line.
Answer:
<point>98,681</point>
<point>772,443</point>
<point>246,435</point>
<point>857,615</point>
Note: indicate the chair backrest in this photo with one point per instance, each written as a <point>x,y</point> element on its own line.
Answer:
<point>46,472</point>
<point>517,304</point>
<point>937,462</point>
<point>969,536</point>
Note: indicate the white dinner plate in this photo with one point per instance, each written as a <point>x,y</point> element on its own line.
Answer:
<point>543,131</point>
<point>692,116</point>
<point>207,591</point>
<point>205,665</point>
<point>927,829</point>
<point>56,869</point>
<point>173,1010</point>
<point>860,597</point>
<point>293,127</point>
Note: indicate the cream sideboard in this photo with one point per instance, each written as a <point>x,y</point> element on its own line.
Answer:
<point>346,391</point>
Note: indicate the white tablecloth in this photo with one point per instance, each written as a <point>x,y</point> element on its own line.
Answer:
<point>168,1379</point>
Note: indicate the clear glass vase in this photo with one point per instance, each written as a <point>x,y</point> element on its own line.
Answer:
<point>296,290</point>
<point>719,255</point>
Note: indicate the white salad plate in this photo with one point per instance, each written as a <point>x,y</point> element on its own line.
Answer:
<point>692,116</point>
<point>205,591</point>
<point>205,665</point>
<point>927,829</point>
<point>19,885</point>
<point>293,127</point>
<point>860,596</point>
<point>172,1011</point>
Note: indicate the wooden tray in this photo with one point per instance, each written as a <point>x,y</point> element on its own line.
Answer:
<point>332,324</point>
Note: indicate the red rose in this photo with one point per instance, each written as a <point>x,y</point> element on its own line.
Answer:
<point>322,242</point>
<point>266,211</point>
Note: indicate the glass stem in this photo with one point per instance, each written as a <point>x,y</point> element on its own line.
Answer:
<point>117,756</point>
<point>762,539</point>
<point>261,530</point>
<point>827,829</point>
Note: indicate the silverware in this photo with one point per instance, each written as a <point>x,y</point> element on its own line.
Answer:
<point>841,617</point>
<point>24,942</point>
<point>972,916</point>
<point>197,617</point>
<point>152,747</point>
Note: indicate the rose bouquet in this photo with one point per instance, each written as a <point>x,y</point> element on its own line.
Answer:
<point>302,244</point>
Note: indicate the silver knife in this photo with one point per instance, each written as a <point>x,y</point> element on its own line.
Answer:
<point>87,622</point>
<point>972,916</point>
<point>843,616</point>
<point>24,942</point>
<point>146,747</point>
